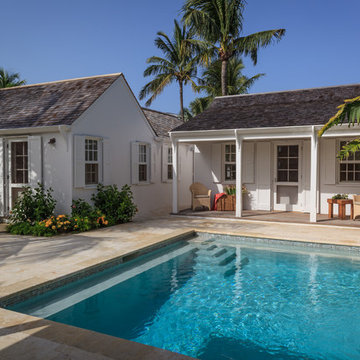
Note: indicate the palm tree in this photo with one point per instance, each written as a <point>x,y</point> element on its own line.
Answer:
<point>178,64</point>
<point>349,111</point>
<point>237,83</point>
<point>219,24</point>
<point>10,79</point>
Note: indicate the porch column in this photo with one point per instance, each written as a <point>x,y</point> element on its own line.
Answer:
<point>239,202</point>
<point>314,174</point>
<point>175,147</point>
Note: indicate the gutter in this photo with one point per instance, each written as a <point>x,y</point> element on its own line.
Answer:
<point>36,130</point>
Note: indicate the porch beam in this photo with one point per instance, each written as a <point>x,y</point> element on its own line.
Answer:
<point>314,175</point>
<point>239,198</point>
<point>175,192</point>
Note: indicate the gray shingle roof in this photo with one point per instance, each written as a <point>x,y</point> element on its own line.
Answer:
<point>54,103</point>
<point>161,122</point>
<point>286,108</point>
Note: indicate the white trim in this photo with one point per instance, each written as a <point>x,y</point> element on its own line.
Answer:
<point>175,194</point>
<point>314,175</point>
<point>239,197</point>
<point>300,206</point>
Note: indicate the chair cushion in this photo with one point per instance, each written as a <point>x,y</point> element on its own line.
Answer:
<point>201,196</point>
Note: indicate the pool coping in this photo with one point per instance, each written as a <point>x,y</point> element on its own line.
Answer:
<point>26,293</point>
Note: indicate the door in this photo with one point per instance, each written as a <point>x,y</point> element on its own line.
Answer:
<point>17,170</point>
<point>287,184</point>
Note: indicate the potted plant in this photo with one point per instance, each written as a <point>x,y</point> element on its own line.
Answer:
<point>228,201</point>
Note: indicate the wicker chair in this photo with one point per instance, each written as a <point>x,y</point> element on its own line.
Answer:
<point>356,200</point>
<point>200,196</point>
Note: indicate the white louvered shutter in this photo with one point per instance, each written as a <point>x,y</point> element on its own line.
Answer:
<point>79,161</point>
<point>328,154</point>
<point>35,160</point>
<point>151,150</point>
<point>2,162</point>
<point>134,163</point>
<point>106,178</point>
<point>164,162</point>
<point>248,163</point>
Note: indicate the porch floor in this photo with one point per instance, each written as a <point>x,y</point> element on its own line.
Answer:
<point>274,216</point>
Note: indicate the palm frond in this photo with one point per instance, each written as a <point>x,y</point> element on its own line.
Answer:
<point>248,45</point>
<point>348,111</point>
<point>349,148</point>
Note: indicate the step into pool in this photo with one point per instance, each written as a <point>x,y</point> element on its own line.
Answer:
<point>222,297</point>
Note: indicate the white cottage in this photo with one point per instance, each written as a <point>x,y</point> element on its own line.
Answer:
<point>269,143</point>
<point>73,134</point>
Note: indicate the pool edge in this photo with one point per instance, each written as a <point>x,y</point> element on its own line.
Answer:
<point>38,289</point>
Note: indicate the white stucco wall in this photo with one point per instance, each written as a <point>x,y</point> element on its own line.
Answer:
<point>117,117</point>
<point>57,169</point>
<point>209,171</point>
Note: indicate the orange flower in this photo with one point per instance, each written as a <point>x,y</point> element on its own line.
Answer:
<point>53,227</point>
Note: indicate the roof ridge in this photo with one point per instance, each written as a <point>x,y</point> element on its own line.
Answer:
<point>287,91</point>
<point>61,81</point>
<point>160,112</point>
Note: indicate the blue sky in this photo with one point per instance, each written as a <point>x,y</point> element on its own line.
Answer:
<point>54,40</point>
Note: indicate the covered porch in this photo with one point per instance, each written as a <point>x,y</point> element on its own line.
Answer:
<point>294,192</point>
<point>272,216</point>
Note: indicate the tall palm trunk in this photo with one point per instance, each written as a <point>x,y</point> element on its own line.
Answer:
<point>181,100</point>
<point>224,85</point>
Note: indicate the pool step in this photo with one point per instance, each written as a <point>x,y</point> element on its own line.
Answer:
<point>219,253</point>
<point>244,261</point>
<point>227,260</point>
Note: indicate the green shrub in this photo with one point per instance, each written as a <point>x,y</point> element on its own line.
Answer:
<point>117,206</point>
<point>33,205</point>
<point>81,208</point>
<point>20,228</point>
<point>340,196</point>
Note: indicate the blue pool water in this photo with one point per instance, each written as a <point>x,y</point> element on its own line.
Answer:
<point>221,299</point>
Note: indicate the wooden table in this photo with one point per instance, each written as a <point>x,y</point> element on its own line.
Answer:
<point>341,206</point>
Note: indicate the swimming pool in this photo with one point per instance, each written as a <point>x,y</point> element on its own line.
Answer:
<point>222,297</point>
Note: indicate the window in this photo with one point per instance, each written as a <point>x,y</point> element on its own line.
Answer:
<point>287,163</point>
<point>169,164</point>
<point>143,163</point>
<point>91,161</point>
<point>19,162</point>
<point>230,162</point>
<point>350,167</point>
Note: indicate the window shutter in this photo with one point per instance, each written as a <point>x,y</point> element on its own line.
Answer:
<point>2,162</point>
<point>151,149</point>
<point>248,163</point>
<point>164,163</point>
<point>216,162</point>
<point>328,154</point>
<point>106,178</point>
<point>134,163</point>
<point>79,161</point>
<point>35,160</point>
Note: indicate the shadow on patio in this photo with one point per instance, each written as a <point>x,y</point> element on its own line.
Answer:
<point>274,216</point>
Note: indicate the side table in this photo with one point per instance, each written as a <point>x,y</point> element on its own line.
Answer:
<point>341,207</point>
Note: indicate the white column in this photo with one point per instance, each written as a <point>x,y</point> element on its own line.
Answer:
<point>314,174</point>
<point>239,202</point>
<point>175,146</point>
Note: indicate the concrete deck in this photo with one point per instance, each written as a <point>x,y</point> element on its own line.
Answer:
<point>276,216</point>
<point>27,262</point>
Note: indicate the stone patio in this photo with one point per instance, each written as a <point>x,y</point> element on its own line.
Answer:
<point>275,216</point>
<point>27,262</point>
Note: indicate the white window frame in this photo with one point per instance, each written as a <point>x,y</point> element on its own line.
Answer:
<point>145,162</point>
<point>346,161</point>
<point>224,163</point>
<point>98,161</point>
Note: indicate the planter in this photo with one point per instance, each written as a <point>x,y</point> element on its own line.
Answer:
<point>226,203</point>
